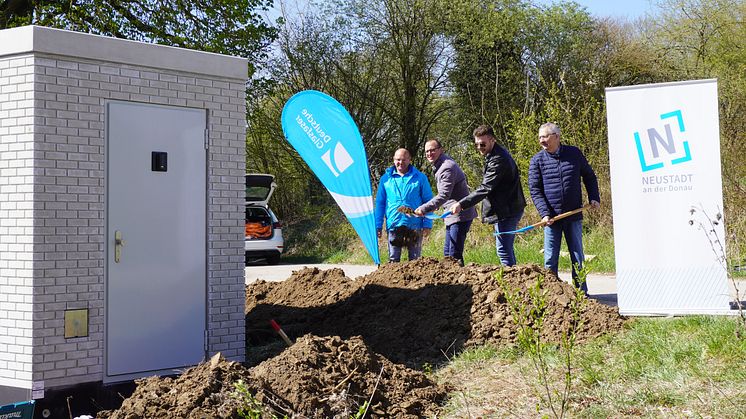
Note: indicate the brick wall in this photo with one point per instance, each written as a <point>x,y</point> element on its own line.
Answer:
<point>64,156</point>
<point>16,219</point>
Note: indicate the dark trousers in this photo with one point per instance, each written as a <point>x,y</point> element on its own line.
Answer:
<point>455,239</point>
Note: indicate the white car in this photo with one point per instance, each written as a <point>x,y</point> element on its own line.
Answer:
<point>263,229</point>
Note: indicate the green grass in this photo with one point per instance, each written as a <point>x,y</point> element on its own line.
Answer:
<point>669,363</point>
<point>480,248</point>
<point>692,366</point>
<point>484,353</point>
<point>329,238</point>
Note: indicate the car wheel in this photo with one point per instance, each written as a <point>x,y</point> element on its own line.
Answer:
<point>273,260</point>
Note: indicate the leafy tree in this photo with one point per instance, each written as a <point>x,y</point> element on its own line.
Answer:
<point>707,39</point>
<point>225,26</point>
<point>412,69</point>
<point>488,74</point>
<point>383,61</point>
<point>411,61</point>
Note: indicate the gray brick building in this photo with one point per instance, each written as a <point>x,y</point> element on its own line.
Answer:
<point>121,209</point>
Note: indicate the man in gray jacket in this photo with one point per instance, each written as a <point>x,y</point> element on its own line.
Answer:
<point>452,186</point>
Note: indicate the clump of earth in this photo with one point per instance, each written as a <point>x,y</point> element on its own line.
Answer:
<point>317,377</point>
<point>417,313</point>
<point>364,342</point>
<point>203,391</point>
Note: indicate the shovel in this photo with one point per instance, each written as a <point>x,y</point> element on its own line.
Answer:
<point>543,223</point>
<point>434,216</point>
<point>409,212</point>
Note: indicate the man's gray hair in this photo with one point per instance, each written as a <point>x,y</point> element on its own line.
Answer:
<point>554,128</point>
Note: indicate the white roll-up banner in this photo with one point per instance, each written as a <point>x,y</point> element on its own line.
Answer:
<point>669,238</point>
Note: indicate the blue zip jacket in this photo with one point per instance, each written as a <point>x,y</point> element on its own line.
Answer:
<point>554,181</point>
<point>411,190</point>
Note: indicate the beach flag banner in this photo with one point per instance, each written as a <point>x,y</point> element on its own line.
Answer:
<point>324,134</point>
<point>669,237</point>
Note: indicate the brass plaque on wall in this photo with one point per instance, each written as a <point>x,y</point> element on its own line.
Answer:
<point>76,323</point>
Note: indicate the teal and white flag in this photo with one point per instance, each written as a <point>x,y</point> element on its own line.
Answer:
<point>326,137</point>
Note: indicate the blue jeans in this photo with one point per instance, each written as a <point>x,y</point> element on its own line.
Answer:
<point>504,242</point>
<point>413,251</point>
<point>455,239</point>
<point>573,231</point>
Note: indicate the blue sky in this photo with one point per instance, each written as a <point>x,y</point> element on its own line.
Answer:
<point>630,9</point>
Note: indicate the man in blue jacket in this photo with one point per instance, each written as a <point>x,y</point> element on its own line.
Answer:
<point>402,185</point>
<point>554,178</point>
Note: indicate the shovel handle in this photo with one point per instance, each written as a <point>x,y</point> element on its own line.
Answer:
<point>280,332</point>
<point>567,214</point>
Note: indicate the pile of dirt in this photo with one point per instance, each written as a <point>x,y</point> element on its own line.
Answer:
<point>203,391</point>
<point>363,340</point>
<point>330,377</point>
<point>320,377</point>
<point>416,312</point>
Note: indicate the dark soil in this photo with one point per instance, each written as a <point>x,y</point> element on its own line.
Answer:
<point>317,377</point>
<point>200,392</point>
<point>331,377</point>
<point>415,313</point>
<point>362,340</point>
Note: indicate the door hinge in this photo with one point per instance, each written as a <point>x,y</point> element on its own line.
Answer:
<point>206,343</point>
<point>207,139</point>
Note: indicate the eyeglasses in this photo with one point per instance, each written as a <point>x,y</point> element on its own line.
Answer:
<point>541,137</point>
<point>432,150</point>
<point>480,145</point>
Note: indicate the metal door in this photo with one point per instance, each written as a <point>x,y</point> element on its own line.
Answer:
<point>156,239</point>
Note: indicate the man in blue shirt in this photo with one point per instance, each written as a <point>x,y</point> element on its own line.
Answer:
<point>554,178</point>
<point>402,185</point>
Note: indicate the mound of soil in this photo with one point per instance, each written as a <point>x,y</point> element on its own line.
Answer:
<point>416,312</point>
<point>203,391</point>
<point>328,377</point>
<point>318,377</point>
<point>349,332</point>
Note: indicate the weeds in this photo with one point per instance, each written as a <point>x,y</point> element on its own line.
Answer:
<point>710,227</point>
<point>529,316</point>
<point>361,411</point>
<point>427,368</point>
<point>569,337</point>
<point>656,367</point>
<point>251,408</point>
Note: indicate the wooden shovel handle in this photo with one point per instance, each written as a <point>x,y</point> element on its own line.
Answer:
<point>565,214</point>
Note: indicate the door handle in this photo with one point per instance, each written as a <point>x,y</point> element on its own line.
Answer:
<point>118,244</point>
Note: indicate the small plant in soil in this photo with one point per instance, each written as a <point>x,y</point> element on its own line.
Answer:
<point>529,311</point>
<point>361,411</point>
<point>251,408</point>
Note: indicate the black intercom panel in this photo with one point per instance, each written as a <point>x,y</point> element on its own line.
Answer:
<point>159,161</point>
